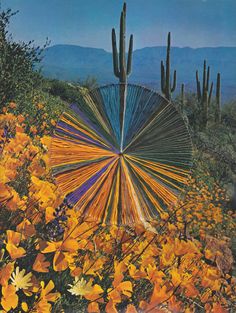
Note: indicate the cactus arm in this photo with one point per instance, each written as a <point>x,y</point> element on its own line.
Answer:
<point>129,62</point>
<point>115,54</point>
<point>163,87</point>
<point>199,91</point>
<point>198,87</point>
<point>204,80</point>
<point>208,78</point>
<point>210,94</point>
<point>174,82</point>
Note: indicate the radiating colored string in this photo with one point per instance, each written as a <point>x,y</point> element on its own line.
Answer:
<point>121,188</point>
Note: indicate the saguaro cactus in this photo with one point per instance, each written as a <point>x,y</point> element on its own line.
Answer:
<point>121,70</point>
<point>166,87</point>
<point>204,94</point>
<point>218,100</point>
<point>119,63</point>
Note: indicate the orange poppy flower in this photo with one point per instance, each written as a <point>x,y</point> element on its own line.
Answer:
<point>62,250</point>
<point>5,273</point>
<point>93,307</point>
<point>44,305</point>
<point>40,265</point>
<point>9,297</point>
<point>12,246</point>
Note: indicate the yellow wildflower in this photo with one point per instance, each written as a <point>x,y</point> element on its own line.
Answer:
<point>20,280</point>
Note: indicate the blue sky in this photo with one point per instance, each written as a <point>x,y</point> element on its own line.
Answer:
<point>194,23</point>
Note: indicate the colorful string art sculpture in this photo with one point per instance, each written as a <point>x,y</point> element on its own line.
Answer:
<point>121,180</point>
<point>123,153</point>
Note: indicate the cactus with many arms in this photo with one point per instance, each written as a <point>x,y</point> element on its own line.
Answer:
<point>166,87</point>
<point>204,93</point>
<point>218,100</point>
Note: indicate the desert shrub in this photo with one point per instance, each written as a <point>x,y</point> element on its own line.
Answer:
<point>229,115</point>
<point>89,83</point>
<point>216,152</point>
<point>214,146</point>
<point>18,77</point>
<point>66,91</point>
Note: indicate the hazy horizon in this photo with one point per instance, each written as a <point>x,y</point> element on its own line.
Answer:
<point>157,46</point>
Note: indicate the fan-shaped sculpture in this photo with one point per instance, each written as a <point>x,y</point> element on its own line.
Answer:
<point>121,175</point>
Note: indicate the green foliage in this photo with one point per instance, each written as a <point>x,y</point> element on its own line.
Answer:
<point>229,115</point>
<point>66,91</point>
<point>187,104</point>
<point>166,87</point>
<point>89,83</point>
<point>217,153</point>
<point>17,63</point>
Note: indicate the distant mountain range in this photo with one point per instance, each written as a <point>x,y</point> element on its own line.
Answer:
<point>71,63</point>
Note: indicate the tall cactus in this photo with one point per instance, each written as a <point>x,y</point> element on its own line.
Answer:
<point>218,100</point>
<point>166,87</point>
<point>121,69</point>
<point>204,93</point>
<point>119,63</point>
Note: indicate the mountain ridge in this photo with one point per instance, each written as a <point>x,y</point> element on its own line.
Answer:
<point>73,62</point>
